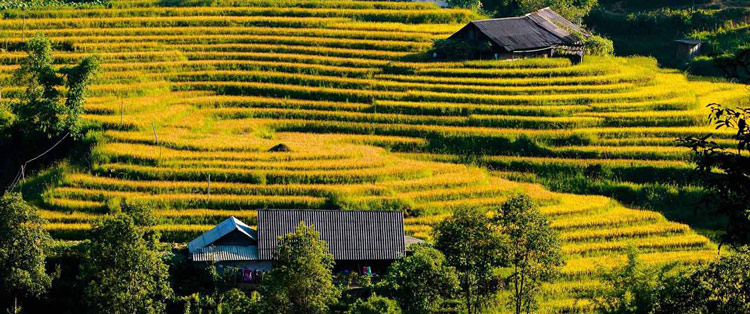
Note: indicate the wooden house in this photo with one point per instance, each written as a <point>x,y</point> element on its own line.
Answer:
<point>543,33</point>
<point>358,240</point>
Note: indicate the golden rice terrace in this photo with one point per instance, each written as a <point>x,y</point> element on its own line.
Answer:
<point>191,99</point>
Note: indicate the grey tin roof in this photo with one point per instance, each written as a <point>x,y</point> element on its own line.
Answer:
<point>351,235</point>
<point>541,29</point>
<point>225,227</point>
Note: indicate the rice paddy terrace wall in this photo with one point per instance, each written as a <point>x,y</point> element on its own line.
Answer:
<point>195,92</point>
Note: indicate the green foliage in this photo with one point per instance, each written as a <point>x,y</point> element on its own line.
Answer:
<point>375,304</point>
<point>533,250</point>
<point>23,247</point>
<point>573,10</point>
<point>7,119</point>
<point>736,67</point>
<point>599,46</point>
<point>475,248</point>
<point>301,280</point>
<point>466,4</point>
<point>77,79</point>
<point>229,302</point>
<point>720,287</point>
<point>730,187</point>
<point>40,111</point>
<point>223,297</point>
<point>461,49</point>
<point>632,288</point>
<point>650,30</point>
<point>124,271</point>
<point>140,211</point>
<point>420,282</point>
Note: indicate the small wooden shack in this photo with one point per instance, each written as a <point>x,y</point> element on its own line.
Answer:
<point>358,240</point>
<point>543,33</point>
<point>687,49</point>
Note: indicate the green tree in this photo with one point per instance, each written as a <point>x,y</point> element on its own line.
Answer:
<point>632,288</point>
<point>533,252</point>
<point>301,280</point>
<point>573,10</point>
<point>421,281</point>
<point>23,247</point>
<point>726,172</point>
<point>719,287</point>
<point>40,111</point>
<point>472,245</point>
<point>375,304</point>
<point>124,270</point>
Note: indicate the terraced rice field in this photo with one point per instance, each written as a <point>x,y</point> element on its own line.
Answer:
<point>191,99</point>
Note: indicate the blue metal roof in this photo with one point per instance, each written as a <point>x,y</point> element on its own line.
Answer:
<point>225,253</point>
<point>225,227</point>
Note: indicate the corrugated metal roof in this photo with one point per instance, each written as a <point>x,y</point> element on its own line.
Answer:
<point>225,253</point>
<point>222,229</point>
<point>351,235</point>
<point>541,29</point>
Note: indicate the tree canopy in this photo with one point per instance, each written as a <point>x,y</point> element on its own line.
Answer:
<point>301,280</point>
<point>23,247</point>
<point>475,248</point>
<point>533,250</point>
<point>719,287</point>
<point>124,271</point>
<point>40,110</point>
<point>420,282</point>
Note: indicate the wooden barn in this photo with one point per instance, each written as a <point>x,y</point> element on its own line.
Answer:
<point>360,241</point>
<point>543,33</point>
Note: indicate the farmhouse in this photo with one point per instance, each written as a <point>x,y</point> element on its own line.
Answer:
<point>543,33</point>
<point>360,241</point>
<point>687,49</point>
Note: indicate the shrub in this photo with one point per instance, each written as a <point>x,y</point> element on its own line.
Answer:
<point>599,46</point>
<point>375,304</point>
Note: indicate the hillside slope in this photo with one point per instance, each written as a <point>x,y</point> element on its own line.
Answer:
<point>192,98</point>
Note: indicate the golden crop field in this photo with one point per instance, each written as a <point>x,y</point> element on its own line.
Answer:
<point>191,99</point>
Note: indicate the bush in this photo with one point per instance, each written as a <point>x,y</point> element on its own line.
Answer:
<point>599,46</point>
<point>374,305</point>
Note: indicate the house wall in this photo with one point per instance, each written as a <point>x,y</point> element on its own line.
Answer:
<point>687,52</point>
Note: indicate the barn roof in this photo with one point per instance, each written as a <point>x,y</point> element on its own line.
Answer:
<point>351,235</point>
<point>537,30</point>
<point>224,228</point>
